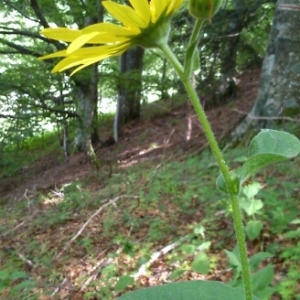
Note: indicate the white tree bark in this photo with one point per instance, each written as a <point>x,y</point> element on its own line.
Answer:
<point>279,88</point>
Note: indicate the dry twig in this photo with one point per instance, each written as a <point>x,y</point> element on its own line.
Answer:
<point>143,268</point>
<point>110,202</point>
<point>93,273</point>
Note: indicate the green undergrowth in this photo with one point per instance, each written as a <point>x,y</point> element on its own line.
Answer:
<point>18,157</point>
<point>146,208</point>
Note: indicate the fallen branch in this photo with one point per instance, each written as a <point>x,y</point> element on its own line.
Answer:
<point>143,268</point>
<point>93,273</point>
<point>60,287</point>
<point>26,260</point>
<point>18,226</point>
<point>281,118</point>
<point>110,202</point>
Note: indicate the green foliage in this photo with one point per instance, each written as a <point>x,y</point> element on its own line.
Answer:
<point>268,147</point>
<point>261,279</point>
<point>192,290</point>
<point>17,282</point>
<point>287,287</point>
<point>201,264</point>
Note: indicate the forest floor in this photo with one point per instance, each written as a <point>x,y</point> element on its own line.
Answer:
<point>74,231</point>
<point>162,133</point>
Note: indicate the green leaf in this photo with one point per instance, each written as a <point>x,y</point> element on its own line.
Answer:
<point>262,278</point>
<point>188,290</point>
<point>29,284</point>
<point>17,275</point>
<point>188,248</point>
<point>199,230</point>
<point>4,274</point>
<point>255,163</point>
<point>251,206</point>
<point>233,259</point>
<point>295,221</point>
<point>4,285</point>
<point>221,184</point>
<point>176,274</point>
<point>257,258</point>
<point>253,229</point>
<point>267,147</point>
<point>275,142</point>
<point>266,293</point>
<point>204,246</point>
<point>251,190</point>
<point>201,264</point>
<point>123,282</point>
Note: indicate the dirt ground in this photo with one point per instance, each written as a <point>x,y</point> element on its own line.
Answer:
<point>172,135</point>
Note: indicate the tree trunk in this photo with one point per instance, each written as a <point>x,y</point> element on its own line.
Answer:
<point>86,133</point>
<point>129,88</point>
<point>86,98</point>
<point>280,78</point>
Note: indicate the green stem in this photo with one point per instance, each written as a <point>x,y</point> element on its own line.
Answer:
<point>237,218</point>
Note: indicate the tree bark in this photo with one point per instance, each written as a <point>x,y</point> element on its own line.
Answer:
<point>129,88</point>
<point>280,78</point>
<point>86,94</point>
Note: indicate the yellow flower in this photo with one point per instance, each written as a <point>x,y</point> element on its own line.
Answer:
<point>145,24</point>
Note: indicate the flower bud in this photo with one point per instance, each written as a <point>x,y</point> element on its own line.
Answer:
<point>204,9</point>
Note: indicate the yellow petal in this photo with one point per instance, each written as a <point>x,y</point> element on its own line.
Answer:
<point>70,62</point>
<point>163,8</point>
<point>125,15</point>
<point>89,55</point>
<point>61,34</point>
<point>142,9</point>
<point>111,29</point>
<point>80,41</point>
<point>157,7</point>
<point>108,38</point>
<point>53,55</point>
<point>175,6</point>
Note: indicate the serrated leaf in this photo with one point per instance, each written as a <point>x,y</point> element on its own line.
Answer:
<point>253,229</point>
<point>123,282</point>
<point>191,290</point>
<point>201,264</point>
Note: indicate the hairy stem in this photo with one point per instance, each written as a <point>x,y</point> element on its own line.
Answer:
<point>237,217</point>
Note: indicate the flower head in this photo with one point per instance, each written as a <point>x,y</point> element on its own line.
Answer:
<point>204,9</point>
<point>145,24</point>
